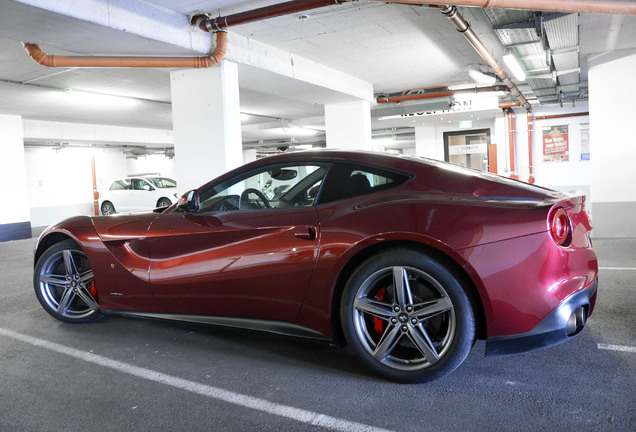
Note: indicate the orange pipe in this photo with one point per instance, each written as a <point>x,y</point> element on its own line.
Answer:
<point>206,23</point>
<point>512,143</point>
<point>463,27</point>
<point>531,179</point>
<point>95,193</point>
<point>509,104</point>
<point>567,6</point>
<point>561,116</point>
<point>44,59</point>
<point>438,94</point>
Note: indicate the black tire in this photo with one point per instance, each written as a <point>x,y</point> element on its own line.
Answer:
<point>419,333</point>
<point>108,208</point>
<point>164,202</point>
<point>64,284</point>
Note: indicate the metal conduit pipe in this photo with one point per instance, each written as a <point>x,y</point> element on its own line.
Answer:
<point>207,23</point>
<point>512,132</point>
<point>529,119</point>
<point>439,94</point>
<point>566,6</point>
<point>546,117</point>
<point>44,59</point>
<point>213,24</point>
<point>463,27</point>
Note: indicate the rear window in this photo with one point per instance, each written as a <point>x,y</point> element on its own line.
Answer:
<point>162,182</point>
<point>120,185</point>
<point>348,181</point>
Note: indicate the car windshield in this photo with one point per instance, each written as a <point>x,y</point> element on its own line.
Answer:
<point>162,182</point>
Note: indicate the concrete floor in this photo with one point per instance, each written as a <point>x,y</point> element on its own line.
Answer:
<point>125,374</point>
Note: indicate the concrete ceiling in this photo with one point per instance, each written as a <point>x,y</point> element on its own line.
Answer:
<point>393,47</point>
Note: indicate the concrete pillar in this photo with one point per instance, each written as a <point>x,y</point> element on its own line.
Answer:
<point>612,146</point>
<point>206,121</point>
<point>15,218</point>
<point>426,144</point>
<point>349,125</point>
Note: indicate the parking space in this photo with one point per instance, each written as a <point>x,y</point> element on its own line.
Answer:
<point>124,374</point>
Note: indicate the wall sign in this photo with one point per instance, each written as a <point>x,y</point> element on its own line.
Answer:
<point>585,142</point>
<point>556,147</point>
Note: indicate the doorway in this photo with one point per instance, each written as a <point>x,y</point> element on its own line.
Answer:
<point>467,148</point>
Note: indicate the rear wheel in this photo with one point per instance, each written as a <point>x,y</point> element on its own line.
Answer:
<point>406,316</point>
<point>64,283</point>
<point>108,208</point>
<point>164,202</point>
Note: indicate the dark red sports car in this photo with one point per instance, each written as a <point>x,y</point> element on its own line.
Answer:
<point>407,260</point>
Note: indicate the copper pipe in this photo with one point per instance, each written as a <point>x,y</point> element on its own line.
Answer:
<point>437,87</point>
<point>44,59</point>
<point>561,116</point>
<point>95,193</point>
<point>439,94</point>
<point>511,126</point>
<point>566,6</point>
<point>529,119</point>
<point>463,27</point>
<point>509,104</point>
<point>212,24</point>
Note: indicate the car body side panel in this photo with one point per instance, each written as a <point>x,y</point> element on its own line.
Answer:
<point>526,278</point>
<point>118,256</point>
<point>244,264</point>
<point>413,218</point>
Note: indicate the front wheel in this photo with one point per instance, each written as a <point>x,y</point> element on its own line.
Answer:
<point>64,284</point>
<point>407,316</point>
<point>108,208</point>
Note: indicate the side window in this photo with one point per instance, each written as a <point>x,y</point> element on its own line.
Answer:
<point>348,181</point>
<point>273,187</point>
<point>138,184</point>
<point>120,185</point>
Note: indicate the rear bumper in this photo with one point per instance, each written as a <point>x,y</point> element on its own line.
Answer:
<point>564,322</point>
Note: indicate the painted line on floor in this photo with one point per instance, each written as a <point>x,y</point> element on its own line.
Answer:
<point>618,268</point>
<point>623,348</point>
<point>301,415</point>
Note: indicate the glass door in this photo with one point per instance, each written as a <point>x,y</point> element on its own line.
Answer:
<point>467,148</point>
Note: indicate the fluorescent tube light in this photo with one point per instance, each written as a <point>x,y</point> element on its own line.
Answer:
<point>515,67</point>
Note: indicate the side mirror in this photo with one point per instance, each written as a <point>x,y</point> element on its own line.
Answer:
<point>189,202</point>
<point>147,187</point>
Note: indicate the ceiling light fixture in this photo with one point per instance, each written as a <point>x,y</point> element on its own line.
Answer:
<point>98,100</point>
<point>515,67</point>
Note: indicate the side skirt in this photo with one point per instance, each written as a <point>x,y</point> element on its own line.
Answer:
<point>268,326</point>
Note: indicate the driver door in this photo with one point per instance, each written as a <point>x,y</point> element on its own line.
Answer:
<point>247,252</point>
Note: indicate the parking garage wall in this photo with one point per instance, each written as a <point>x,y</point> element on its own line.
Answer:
<point>60,183</point>
<point>572,174</point>
<point>612,93</point>
<point>14,208</point>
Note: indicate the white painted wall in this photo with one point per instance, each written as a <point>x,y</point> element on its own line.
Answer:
<point>348,125</point>
<point>429,139</point>
<point>60,183</point>
<point>14,206</point>
<point>207,123</point>
<point>559,174</point>
<point>613,145</point>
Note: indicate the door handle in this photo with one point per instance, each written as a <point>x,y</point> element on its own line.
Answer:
<point>309,233</point>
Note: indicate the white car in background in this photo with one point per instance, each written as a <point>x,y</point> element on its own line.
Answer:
<point>138,193</point>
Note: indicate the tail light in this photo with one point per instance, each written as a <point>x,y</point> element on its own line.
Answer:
<point>560,227</point>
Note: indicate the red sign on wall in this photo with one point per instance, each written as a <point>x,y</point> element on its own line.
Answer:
<point>556,147</point>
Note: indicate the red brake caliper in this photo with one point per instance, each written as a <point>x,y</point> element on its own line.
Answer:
<point>93,290</point>
<point>378,323</point>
